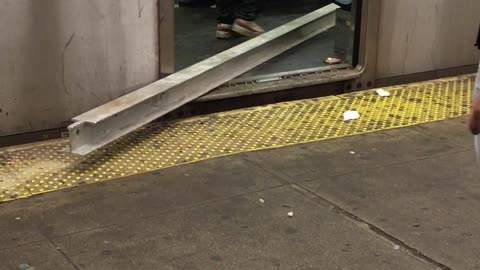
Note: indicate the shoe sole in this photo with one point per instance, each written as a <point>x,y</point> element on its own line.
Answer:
<point>224,35</point>
<point>244,31</point>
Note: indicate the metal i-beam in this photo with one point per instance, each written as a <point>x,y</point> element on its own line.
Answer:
<point>123,115</point>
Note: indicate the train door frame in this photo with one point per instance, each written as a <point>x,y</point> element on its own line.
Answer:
<point>364,57</point>
<point>166,37</point>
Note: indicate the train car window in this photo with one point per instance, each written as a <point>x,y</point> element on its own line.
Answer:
<point>207,27</point>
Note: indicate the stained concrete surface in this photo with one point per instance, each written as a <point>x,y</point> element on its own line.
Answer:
<point>400,199</point>
<point>41,255</point>
<point>238,233</point>
<point>431,204</point>
<point>60,58</point>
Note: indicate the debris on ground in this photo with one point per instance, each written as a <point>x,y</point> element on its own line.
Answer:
<point>332,60</point>
<point>396,247</point>
<point>383,93</point>
<point>290,214</point>
<point>352,152</point>
<point>18,218</point>
<point>261,200</point>
<point>350,115</point>
<point>25,266</point>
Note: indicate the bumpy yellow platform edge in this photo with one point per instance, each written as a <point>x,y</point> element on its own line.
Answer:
<point>45,168</point>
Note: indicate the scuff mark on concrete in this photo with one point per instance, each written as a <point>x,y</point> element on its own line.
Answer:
<point>405,55</point>
<point>63,61</point>
<point>140,8</point>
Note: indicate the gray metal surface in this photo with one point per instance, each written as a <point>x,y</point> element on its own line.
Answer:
<point>260,78</point>
<point>367,54</point>
<point>109,122</point>
<point>281,83</point>
<point>166,37</point>
<point>65,57</point>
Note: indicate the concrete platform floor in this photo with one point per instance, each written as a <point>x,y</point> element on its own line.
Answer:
<point>400,199</point>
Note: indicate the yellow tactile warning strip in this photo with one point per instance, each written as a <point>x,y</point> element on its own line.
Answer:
<point>46,168</point>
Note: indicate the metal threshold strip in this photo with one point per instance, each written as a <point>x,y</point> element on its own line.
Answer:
<point>104,124</point>
<point>281,75</point>
<point>283,82</point>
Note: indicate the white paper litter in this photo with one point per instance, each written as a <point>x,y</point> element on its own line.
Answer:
<point>350,115</point>
<point>262,200</point>
<point>352,152</point>
<point>290,214</point>
<point>383,93</point>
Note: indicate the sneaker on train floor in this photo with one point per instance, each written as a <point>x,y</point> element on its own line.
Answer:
<point>224,31</point>
<point>247,28</point>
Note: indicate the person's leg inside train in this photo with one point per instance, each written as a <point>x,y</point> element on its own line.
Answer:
<point>245,24</point>
<point>226,17</point>
<point>238,17</point>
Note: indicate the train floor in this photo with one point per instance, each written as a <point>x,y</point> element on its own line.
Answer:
<point>196,41</point>
<point>386,197</point>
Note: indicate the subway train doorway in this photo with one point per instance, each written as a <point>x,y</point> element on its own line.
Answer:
<point>196,40</point>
